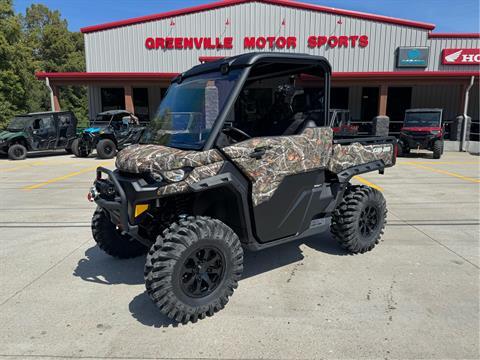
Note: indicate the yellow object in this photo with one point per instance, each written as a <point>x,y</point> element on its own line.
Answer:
<point>368,183</point>
<point>140,209</point>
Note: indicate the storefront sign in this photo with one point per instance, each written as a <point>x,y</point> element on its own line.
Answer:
<point>254,42</point>
<point>412,57</point>
<point>461,56</point>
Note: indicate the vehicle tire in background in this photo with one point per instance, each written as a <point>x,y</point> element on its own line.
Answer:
<point>437,149</point>
<point>359,219</point>
<point>17,152</point>
<point>111,240</point>
<point>106,149</point>
<point>78,150</point>
<point>193,268</point>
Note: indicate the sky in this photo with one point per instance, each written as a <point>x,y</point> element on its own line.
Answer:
<point>447,15</point>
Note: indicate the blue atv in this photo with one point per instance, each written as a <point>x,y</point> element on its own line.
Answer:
<point>109,132</point>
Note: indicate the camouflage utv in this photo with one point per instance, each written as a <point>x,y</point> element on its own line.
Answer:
<point>230,163</point>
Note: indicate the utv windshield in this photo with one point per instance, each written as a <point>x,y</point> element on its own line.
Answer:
<point>19,123</point>
<point>422,119</point>
<point>189,110</point>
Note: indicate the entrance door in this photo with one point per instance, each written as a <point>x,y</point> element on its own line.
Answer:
<point>399,100</point>
<point>369,108</point>
<point>140,103</point>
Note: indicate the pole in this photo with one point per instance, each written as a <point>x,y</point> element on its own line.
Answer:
<point>52,101</point>
<point>465,122</point>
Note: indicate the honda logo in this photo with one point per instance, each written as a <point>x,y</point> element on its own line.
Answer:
<point>461,57</point>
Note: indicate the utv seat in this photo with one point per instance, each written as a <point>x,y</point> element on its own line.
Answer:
<point>298,126</point>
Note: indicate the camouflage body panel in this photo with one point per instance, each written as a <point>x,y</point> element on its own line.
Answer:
<point>346,156</point>
<point>157,158</point>
<point>197,174</point>
<point>284,155</point>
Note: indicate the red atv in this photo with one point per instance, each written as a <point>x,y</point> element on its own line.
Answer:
<point>422,129</point>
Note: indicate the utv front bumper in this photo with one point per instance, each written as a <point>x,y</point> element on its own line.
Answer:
<point>113,193</point>
<point>416,140</point>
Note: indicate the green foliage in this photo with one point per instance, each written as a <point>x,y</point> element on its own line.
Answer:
<point>37,41</point>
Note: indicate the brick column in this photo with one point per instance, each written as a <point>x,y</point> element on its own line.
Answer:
<point>129,99</point>
<point>382,100</point>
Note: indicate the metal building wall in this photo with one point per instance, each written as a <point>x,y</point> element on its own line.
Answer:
<point>123,49</point>
<point>446,97</point>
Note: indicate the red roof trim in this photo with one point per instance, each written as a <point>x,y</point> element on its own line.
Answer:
<point>167,76</point>
<point>287,3</point>
<point>454,35</point>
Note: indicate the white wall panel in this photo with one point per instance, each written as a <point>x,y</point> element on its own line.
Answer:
<point>123,49</point>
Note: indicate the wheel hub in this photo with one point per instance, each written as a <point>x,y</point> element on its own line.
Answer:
<point>202,272</point>
<point>368,221</point>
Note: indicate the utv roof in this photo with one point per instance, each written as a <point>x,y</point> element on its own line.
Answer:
<point>424,109</point>
<point>45,112</point>
<point>113,112</point>
<point>252,58</point>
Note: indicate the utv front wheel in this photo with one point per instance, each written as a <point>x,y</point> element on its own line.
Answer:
<point>359,220</point>
<point>111,240</point>
<point>193,268</point>
<point>79,149</point>
<point>17,152</point>
<point>437,149</point>
<point>106,149</point>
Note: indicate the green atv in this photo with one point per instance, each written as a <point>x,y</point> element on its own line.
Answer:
<point>221,169</point>
<point>38,132</point>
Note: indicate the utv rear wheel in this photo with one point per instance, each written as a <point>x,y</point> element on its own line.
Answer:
<point>106,149</point>
<point>111,240</point>
<point>437,149</point>
<point>193,268</point>
<point>359,220</point>
<point>17,152</point>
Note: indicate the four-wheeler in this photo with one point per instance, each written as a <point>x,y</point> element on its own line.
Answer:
<point>110,131</point>
<point>207,180</point>
<point>340,122</point>
<point>37,132</point>
<point>422,129</point>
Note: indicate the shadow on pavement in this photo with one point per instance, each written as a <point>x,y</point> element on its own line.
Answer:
<point>100,268</point>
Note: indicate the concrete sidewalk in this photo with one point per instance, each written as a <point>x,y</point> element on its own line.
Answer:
<point>416,295</point>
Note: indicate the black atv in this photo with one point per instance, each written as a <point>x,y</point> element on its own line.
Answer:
<point>39,131</point>
<point>110,131</point>
<point>208,179</point>
<point>422,129</point>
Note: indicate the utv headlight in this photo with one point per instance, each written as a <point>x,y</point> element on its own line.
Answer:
<point>175,175</point>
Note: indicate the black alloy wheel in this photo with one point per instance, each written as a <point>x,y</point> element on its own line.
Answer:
<point>202,272</point>
<point>368,221</point>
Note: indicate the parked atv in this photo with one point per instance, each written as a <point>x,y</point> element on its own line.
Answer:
<point>205,182</point>
<point>340,123</point>
<point>109,132</point>
<point>38,132</point>
<point>422,129</point>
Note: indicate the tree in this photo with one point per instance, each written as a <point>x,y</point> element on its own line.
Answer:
<point>38,41</point>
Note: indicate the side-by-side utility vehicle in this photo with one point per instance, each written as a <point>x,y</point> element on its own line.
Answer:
<point>422,129</point>
<point>51,130</point>
<point>214,173</point>
<point>111,131</point>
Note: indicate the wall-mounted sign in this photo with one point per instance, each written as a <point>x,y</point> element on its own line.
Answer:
<point>461,56</point>
<point>254,42</point>
<point>412,57</point>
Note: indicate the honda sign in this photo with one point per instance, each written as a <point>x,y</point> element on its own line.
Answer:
<point>461,56</point>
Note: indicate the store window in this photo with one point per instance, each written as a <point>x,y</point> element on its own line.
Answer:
<point>113,99</point>
<point>140,104</point>
<point>339,98</point>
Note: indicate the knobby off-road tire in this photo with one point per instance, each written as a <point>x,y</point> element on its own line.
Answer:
<point>193,268</point>
<point>437,149</point>
<point>78,150</point>
<point>359,219</point>
<point>106,149</point>
<point>111,240</point>
<point>17,152</point>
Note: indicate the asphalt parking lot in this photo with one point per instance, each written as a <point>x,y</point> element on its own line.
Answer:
<point>414,296</point>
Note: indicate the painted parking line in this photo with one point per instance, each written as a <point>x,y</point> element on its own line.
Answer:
<point>368,183</point>
<point>444,172</point>
<point>64,177</point>
<point>440,163</point>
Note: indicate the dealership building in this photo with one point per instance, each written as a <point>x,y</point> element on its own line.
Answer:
<point>381,65</point>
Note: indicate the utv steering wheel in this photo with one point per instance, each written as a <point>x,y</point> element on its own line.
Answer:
<point>236,134</point>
